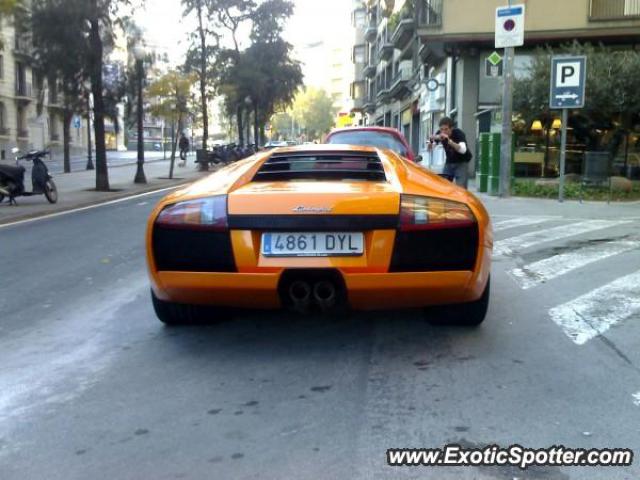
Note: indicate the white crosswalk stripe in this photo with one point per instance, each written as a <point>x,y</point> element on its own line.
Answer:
<point>636,399</point>
<point>519,222</point>
<point>593,314</point>
<point>534,274</point>
<point>526,240</point>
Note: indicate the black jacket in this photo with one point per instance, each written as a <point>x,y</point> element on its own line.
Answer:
<point>457,136</point>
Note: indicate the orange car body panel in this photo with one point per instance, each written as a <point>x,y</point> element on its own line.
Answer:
<point>369,285</point>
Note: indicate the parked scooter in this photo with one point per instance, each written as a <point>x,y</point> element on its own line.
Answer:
<point>12,178</point>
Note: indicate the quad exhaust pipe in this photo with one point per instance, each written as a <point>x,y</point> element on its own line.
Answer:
<point>300,295</point>
<point>323,294</point>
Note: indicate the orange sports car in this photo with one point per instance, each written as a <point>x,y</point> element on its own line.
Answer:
<point>320,227</point>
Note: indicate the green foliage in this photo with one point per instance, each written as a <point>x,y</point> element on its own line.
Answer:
<point>170,96</point>
<point>314,110</point>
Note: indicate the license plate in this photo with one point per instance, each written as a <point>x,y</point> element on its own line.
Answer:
<point>312,244</point>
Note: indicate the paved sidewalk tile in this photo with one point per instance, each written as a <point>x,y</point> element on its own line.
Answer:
<point>77,189</point>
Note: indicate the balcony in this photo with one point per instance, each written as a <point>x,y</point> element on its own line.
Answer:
<point>24,91</point>
<point>22,133</point>
<point>5,132</point>
<point>369,70</point>
<point>386,50</point>
<point>400,83</point>
<point>603,10</point>
<point>383,92</point>
<point>55,137</point>
<point>429,16</point>
<point>403,34</point>
<point>23,46</point>
<point>369,104</point>
<point>370,32</point>
<point>358,104</point>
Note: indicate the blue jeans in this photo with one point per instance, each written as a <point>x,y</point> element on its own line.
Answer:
<point>459,172</point>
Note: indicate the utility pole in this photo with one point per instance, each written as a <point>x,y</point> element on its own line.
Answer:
<point>507,128</point>
<point>509,34</point>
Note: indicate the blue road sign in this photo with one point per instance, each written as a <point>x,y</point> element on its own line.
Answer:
<point>77,121</point>
<point>568,79</point>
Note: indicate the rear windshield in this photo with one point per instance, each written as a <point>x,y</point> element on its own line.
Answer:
<point>369,139</point>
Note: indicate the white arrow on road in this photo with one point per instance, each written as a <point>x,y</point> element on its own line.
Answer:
<point>566,96</point>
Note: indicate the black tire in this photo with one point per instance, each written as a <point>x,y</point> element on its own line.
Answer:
<point>171,313</point>
<point>1,198</point>
<point>51,191</point>
<point>469,314</point>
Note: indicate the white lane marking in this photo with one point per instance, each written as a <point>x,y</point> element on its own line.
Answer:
<point>90,207</point>
<point>547,269</point>
<point>520,222</point>
<point>636,399</point>
<point>594,313</point>
<point>526,240</point>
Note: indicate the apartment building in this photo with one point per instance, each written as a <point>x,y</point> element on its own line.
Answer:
<point>30,105</point>
<point>444,44</point>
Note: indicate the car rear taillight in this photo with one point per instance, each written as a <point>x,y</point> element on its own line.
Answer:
<point>200,214</point>
<point>425,213</point>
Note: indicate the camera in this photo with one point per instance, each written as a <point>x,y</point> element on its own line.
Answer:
<point>437,139</point>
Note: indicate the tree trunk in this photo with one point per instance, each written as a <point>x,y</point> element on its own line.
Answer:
<point>203,79</point>
<point>240,125</point>
<point>102,173</point>
<point>66,134</point>
<point>256,140</point>
<point>174,144</point>
<point>263,139</point>
<point>248,125</point>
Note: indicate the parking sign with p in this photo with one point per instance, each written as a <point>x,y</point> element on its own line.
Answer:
<point>568,75</point>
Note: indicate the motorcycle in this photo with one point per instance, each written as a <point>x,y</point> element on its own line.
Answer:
<point>12,178</point>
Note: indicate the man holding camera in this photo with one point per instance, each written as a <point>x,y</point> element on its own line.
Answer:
<point>454,142</point>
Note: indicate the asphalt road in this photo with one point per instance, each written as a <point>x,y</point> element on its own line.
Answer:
<point>92,386</point>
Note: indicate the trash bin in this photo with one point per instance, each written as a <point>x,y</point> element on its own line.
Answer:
<point>494,145</point>
<point>483,163</point>
<point>493,157</point>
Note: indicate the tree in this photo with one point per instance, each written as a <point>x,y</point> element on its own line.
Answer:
<point>264,74</point>
<point>170,95</point>
<point>201,56</point>
<point>60,55</point>
<point>314,110</point>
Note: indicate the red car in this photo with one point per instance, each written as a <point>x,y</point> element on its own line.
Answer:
<point>378,137</point>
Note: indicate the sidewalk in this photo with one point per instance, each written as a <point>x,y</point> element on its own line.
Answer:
<point>77,189</point>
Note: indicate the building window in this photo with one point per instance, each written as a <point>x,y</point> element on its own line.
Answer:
<point>3,116</point>
<point>359,18</point>
<point>359,54</point>
<point>1,67</point>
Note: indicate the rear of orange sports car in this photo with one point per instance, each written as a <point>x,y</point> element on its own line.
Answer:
<point>320,227</point>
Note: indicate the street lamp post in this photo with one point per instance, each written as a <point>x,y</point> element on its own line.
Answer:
<point>139,55</point>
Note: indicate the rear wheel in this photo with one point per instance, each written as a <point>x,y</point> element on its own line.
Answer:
<point>171,313</point>
<point>1,198</point>
<point>51,191</point>
<point>469,314</point>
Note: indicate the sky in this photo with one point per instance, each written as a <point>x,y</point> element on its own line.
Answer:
<point>313,20</point>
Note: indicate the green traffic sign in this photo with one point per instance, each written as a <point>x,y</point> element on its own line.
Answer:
<point>494,58</point>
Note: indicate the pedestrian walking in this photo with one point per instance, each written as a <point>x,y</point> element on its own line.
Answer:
<point>458,155</point>
<point>183,143</point>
